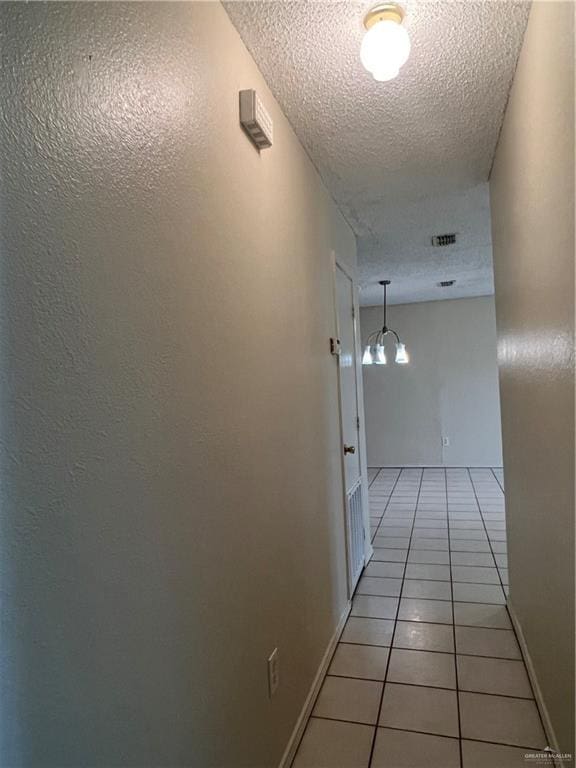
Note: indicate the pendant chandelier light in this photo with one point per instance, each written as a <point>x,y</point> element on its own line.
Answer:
<point>374,352</point>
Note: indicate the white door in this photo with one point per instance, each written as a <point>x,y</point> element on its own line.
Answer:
<point>350,426</point>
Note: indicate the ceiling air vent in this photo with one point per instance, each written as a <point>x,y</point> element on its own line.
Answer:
<point>446,283</point>
<point>440,241</point>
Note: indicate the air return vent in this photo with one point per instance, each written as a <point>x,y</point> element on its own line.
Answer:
<point>441,241</point>
<point>255,119</point>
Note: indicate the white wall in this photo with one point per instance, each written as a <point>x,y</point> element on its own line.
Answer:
<point>170,461</point>
<point>532,191</point>
<point>449,388</point>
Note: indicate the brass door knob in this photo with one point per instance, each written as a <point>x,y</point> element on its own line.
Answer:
<point>349,449</point>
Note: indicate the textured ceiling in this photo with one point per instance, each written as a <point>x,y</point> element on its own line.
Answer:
<point>409,158</point>
<point>404,251</point>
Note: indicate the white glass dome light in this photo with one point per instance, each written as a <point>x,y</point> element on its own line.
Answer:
<point>386,44</point>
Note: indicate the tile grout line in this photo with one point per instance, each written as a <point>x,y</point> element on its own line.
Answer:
<point>439,468</point>
<point>339,639</point>
<point>377,475</point>
<point>439,624</point>
<point>390,649</point>
<point>454,628</point>
<point>370,484</point>
<point>375,735</point>
<point>488,537</point>
<point>373,535</point>
<point>429,687</point>
<point>385,507</point>
<point>437,581</point>
<point>428,733</point>
<point>507,611</point>
<point>431,650</point>
<point>405,484</point>
<point>433,599</point>
<point>486,527</point>
<point>498,481</point>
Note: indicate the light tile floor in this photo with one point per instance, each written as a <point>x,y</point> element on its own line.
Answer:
<point>428,672</point>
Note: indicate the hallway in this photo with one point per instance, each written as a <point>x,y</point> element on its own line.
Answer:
<point>249,250</point>
<point>429,619</point>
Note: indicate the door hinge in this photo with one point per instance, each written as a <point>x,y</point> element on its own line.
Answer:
<point>353,313</point>
<point>358,422</point>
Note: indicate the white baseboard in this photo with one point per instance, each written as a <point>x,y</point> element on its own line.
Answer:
<point>294,740</point>
<point>548,729</point>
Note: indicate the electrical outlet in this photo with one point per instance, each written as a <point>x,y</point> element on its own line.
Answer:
<point>273,672</point>
<point>445,442</point>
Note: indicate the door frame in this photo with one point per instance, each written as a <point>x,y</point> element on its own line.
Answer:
<point>337,264</point>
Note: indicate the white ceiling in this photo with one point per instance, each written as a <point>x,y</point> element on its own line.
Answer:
<point>409,158</point>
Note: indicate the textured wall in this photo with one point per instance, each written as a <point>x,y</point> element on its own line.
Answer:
<point>170,460</point>
<point>532,188</point>
<point>449,388</point>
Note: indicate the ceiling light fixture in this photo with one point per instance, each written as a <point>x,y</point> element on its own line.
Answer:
<point>386,45</point>
<point>374,352</point>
